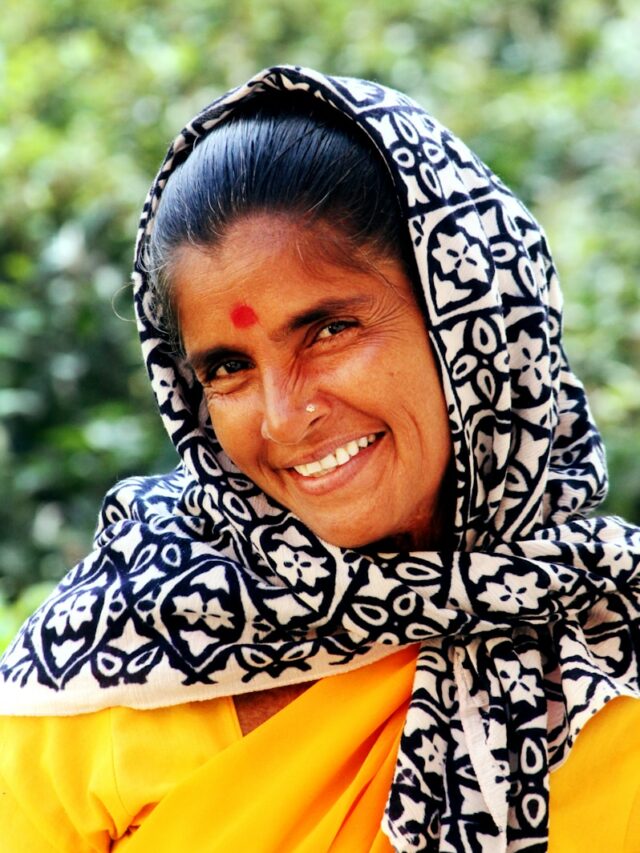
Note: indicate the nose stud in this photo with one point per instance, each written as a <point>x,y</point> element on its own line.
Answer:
<point>310,408</point>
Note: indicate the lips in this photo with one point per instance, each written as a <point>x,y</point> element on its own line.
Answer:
<point>340,456</point>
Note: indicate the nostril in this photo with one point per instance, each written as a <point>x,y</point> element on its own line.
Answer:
<point>288,425</point>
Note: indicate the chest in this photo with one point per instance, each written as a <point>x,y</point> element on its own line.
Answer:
<point>253,709</point>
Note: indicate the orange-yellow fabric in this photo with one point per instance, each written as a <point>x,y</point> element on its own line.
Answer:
<point>313,778</point>
<point>595,795</point>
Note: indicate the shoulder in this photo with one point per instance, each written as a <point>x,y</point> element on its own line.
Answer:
<point>78,782</point>
<point>595,795</point>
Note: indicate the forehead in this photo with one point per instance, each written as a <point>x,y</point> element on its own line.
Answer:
<point>269,262</point>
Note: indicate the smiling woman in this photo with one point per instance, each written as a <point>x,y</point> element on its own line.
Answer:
<point>353,332</point>
<point>302,249</point>
<point>368,463</point>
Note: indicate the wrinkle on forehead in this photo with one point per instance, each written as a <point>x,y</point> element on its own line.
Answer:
<point>315,242</point>
<point>273,240</point>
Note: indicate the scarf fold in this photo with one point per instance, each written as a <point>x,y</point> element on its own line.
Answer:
<point>200,586</point>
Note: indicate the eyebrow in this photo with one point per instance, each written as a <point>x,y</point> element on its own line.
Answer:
<point>322,310</point>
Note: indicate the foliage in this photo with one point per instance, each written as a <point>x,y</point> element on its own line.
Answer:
<point>545,92</point>
<point>12,615</point>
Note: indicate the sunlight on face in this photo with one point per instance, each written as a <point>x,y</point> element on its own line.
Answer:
<point>329,399</point>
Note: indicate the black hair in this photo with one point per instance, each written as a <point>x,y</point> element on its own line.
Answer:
<point>290,155</point>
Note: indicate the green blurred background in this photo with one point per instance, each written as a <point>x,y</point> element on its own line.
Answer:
<point>91,93</point>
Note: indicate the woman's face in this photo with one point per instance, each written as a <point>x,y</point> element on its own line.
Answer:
<point>319,379</point>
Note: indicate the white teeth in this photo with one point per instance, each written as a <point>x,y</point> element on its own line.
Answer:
<point>329,461</point>
<point>340,456</point>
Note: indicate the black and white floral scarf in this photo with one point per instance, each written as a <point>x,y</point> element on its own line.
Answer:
<point>201,586</point>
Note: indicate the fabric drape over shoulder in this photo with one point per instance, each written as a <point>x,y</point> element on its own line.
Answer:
<point>200,585</point>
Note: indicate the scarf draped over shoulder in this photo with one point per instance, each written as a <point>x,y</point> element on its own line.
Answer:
<point>199,585</point>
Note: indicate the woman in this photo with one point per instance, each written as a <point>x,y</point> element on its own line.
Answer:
<point>374,560</point>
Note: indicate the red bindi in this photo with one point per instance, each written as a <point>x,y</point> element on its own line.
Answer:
<point>243,316</point>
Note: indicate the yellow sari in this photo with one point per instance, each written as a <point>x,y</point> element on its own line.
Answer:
<point>312,778</point>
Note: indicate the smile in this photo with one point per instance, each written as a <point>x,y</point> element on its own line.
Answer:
<point>340,456</point>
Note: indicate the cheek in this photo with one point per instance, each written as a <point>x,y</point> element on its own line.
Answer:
<point>237,429</point>
<point>435,428</point>
<point>418,383</point>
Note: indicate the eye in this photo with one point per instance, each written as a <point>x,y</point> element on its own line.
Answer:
<point>334,328</point>
<point>229,367</point>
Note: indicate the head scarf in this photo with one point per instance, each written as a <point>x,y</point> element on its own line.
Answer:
<point>200,585</point>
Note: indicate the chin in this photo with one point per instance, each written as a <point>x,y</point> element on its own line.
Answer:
<point>348,541</point>
<point>339,535</point>
<point>426,535</point>
<point>360,537</point>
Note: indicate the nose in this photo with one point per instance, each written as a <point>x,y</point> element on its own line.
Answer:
<point>288,413</point>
